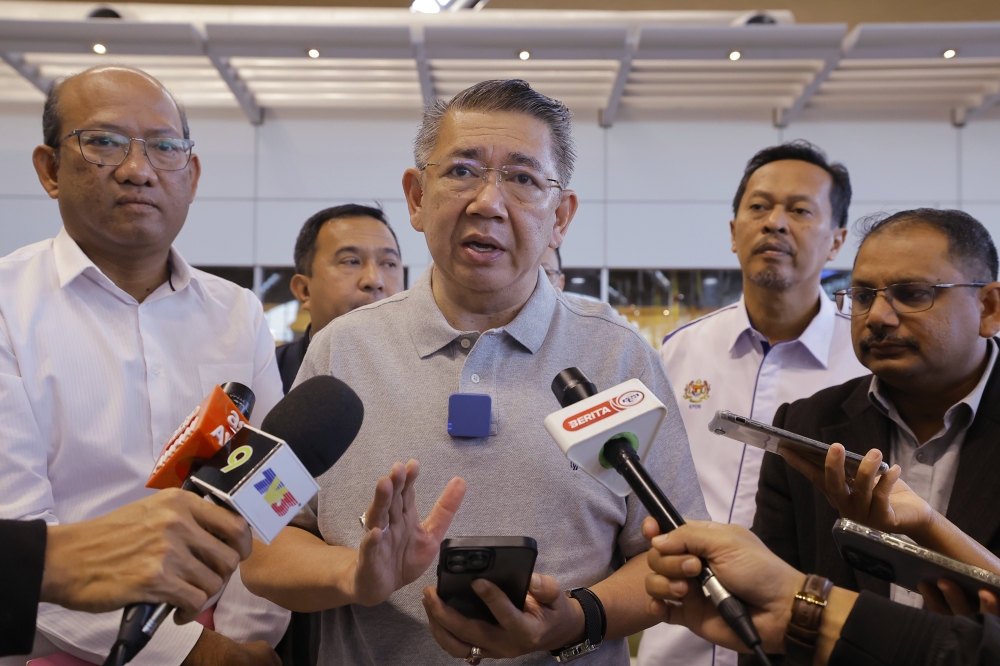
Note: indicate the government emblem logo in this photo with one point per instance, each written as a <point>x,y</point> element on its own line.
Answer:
<point>696,391</point>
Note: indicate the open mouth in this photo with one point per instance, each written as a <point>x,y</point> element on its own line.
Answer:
<point>481,247</point>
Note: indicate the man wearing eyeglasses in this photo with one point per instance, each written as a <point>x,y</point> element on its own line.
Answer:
<point>108,339</point>
<point>925,307</point>
<point>489,191</point>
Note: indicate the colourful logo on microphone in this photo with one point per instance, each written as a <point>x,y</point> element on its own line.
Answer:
<point>275,493</point>
<point>603,410</point>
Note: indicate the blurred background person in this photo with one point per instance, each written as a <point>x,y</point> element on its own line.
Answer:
<point>552,265</point>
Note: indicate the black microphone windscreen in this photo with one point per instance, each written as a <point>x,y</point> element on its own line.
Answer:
<point>318,419</point>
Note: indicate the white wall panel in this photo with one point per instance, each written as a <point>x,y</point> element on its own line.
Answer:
<point>217,233</point>
<point>588,175</point>
<point>981,161</point>
<point>22,131</point>
<point>324,159</point>
<point>225,146</point>
<point>681,161</point>
<point>989,215</point>
<point>584,244</point>
<point>668,235</point>
<point>25,220</point>
<point>898,161</point>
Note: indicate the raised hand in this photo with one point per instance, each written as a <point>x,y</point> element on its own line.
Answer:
<point>398,547</point>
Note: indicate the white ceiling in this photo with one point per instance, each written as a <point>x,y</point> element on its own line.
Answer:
<point>614,63</point>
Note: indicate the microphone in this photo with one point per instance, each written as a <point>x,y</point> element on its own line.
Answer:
<point>611,430</point>
<point>266,478</point>
<point>206,430</point>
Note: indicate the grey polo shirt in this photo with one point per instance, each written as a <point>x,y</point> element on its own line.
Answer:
<point>404,361</point>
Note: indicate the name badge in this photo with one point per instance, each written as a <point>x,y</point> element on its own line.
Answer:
<point>469,414</point>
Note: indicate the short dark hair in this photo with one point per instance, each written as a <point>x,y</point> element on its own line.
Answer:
<point>970,245</point>
<point>802,150</point>
<point>305,244</point>
<point>51,122</point>
<point>506,95</point>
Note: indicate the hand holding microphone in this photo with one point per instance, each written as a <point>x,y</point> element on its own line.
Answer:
<point>613,430</point>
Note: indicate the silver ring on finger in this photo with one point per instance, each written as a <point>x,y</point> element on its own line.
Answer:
<point>475,656</point>
<point>364,523</point>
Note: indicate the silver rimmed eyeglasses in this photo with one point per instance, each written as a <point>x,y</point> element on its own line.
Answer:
<point>165,153</point>
<point>904,298</point>
<point>463,177</point>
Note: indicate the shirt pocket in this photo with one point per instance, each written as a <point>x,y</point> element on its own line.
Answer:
<point>214,374</point>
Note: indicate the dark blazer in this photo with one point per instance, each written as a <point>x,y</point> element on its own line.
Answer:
<point>795,520</point>
<point>22,561</point>
<point>289,357</point>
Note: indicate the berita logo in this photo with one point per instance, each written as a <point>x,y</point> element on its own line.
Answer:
<point>275,493</point>
<point>603,410</point>
<point>697,390</point>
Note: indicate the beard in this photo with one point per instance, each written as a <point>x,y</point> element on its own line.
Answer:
<point>770,278</point>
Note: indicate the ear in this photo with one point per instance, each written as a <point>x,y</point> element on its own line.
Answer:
<point>413,189</point>
<point>44,159</point>
<point>732,235</point>
<point>989,318</point>
<point>194,168</point>
<point>565,211</point>
<point>839,237</point>
<point>300,289</point>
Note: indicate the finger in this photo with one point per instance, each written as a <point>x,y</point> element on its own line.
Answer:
<point>650,528</point>
<point>835,481</point>
<point>864,480</point>
<point>988,603</point>
<point>507,615</point>
<point>227,526</point>
<point>955,598</point>
<point>439,519</point>
<point>447,640</point>
<point>545,589</point>
<point>933,599</point>
<point>187,599</point>
<point>409,494</point>
<point>471,632</point>
<point>398,476</point>
<point>674,566</point>
<point>880,505</point>
<point>663,588</point>
<point>377,515</point>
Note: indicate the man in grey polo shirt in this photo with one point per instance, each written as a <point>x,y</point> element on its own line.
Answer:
<point>489,193</point>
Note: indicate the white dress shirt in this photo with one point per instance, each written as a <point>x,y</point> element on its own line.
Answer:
<point>930,468</point>
<point>92,383</point>
<point>719,362</point>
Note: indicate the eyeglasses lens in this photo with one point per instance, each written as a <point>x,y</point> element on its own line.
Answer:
<point>111,148</point>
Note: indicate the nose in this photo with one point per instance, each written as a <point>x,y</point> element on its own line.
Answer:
<point>136,168</point>
<point>489,200</point>
<point>777,221</point>
<point>371,277</point>
<point>881,315</point>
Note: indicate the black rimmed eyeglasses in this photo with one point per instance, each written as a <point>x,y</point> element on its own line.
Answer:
<point>165,153</point>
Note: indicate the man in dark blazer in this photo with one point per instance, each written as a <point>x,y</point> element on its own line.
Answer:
<point>171,547</point>
<point>925,308</point>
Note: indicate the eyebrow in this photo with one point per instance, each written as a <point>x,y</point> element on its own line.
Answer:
<point>906,280</point>
<point>352,249</point>
<point>516,158</point>
<point>111,127</point>
<point>794,197</point>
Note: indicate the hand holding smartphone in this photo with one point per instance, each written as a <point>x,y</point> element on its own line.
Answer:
<point>507,562</point>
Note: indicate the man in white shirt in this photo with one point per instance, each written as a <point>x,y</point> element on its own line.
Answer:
<point>108,338</point>
<point>782,341</point>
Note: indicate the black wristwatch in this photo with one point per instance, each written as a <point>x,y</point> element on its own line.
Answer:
<point>595,625</point>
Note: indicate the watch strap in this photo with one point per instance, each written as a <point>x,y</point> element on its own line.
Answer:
<point>807,614</point>
<point>595,624</point>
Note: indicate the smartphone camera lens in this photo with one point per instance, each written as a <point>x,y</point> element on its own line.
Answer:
<point>457,563</point>
<point>478,560</point>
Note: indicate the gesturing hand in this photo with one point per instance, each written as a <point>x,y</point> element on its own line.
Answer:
<point>398,548</point>
<point>883,502</point>
<point>549,621</point>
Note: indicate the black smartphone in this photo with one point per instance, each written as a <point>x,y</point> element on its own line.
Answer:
<point>507,562</point>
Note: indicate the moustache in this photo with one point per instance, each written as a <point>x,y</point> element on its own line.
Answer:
<point>887,339</point>
<point>773,244</point>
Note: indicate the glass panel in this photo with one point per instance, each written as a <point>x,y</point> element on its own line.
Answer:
<point>583,282</point>
<point>241,275</point>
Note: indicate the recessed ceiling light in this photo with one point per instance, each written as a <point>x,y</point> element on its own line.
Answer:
<point>949,54</point>
<point>735,55</point>
<point>524,55</point>
<point>313,53</point>
<point>100,49</point>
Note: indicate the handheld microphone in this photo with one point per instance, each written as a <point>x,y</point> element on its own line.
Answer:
<point>206,430</point>
<point>266,478</point>
<point>618,436</point>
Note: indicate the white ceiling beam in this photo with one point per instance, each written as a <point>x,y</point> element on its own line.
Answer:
<point>31,73</point>
<point>253,112</point>
<point>610,111</point>
<point>423,67</point>
<point>782,117</point>
<point>963,115</point>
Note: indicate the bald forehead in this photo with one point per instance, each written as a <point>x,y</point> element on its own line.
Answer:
<point>116,87</point>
